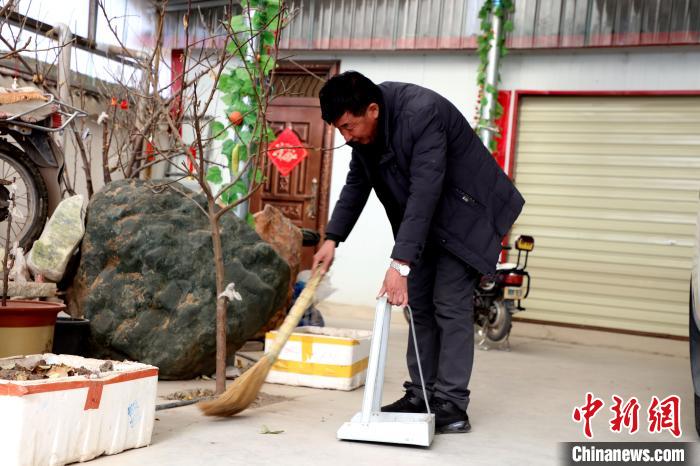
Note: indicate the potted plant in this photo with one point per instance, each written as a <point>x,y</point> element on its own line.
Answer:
<point>71,336</point>
<point>26,327</point>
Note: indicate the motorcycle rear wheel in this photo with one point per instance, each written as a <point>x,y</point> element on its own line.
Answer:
<point>31,197</point>
<point>499,322</point>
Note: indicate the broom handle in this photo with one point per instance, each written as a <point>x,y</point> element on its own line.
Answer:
<point>295,314</point>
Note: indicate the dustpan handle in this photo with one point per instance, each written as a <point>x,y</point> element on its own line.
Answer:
<point>295,314</point>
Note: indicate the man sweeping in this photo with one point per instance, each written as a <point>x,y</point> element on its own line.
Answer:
<point>449,205</point>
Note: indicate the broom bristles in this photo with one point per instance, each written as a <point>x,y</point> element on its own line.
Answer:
<point>241,393</point>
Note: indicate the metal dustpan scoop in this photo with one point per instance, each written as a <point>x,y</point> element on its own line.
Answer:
<point>372,425</point>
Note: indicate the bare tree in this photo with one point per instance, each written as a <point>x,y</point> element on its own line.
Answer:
<point>20,42</point>
<point>145,124</point>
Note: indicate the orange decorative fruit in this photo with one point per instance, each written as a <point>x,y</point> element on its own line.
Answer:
<point>236,118</point>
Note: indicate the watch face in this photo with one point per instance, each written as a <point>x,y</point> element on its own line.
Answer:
<point>404,270</point>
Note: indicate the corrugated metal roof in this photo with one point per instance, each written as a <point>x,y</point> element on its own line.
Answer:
<point>605,23</point>
<point>454,24</point>
<point>183,5</point>
<point>382,24</point>
<point>204,29</point>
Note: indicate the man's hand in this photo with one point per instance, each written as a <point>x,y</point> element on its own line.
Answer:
<point>325,255</point>
<point>395,287</point>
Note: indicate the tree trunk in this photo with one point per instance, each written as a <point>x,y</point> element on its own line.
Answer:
<point>87,166</point>
<point>5,271</point>
<point>220,301</point>
<point>106,177</point>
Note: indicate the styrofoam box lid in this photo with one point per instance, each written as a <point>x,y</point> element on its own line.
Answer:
<point>341,333</point>
<point>119,367</point>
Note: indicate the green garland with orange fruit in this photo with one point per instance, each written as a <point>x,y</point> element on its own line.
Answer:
<point>245,92</point>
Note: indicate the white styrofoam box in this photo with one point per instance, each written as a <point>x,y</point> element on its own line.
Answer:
<point>322,357</point>
<point>51,422</point>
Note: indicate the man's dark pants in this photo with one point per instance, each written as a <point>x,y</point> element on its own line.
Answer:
<point>440,293</point>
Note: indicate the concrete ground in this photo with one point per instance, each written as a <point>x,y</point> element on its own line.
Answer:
<point>521,405</point>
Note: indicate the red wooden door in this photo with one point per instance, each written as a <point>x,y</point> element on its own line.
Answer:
<point>299,194</point>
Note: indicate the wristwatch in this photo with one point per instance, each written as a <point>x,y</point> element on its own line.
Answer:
<point>403,269</point>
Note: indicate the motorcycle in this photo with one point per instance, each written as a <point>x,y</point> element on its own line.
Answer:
<point>499,295</point>
<point>31,163</point>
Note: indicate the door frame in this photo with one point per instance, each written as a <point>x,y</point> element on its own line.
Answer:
<point>327,69</point>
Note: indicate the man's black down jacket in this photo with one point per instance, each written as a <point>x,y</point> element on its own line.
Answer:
<point>439,182</point>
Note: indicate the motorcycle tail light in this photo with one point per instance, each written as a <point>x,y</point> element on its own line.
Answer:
<point>513,279</point>
<point>56,120</point>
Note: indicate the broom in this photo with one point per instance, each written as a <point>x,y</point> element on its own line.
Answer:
<point>243,391</point>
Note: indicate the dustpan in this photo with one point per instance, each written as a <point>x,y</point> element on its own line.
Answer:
<point>372,425</point>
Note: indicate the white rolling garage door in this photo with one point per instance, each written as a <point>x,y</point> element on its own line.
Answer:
<point>611,185</point>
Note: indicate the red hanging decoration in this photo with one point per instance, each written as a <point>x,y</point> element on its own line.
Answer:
<point>150,152</point>
<point>192,161</point>
<point>287,151</point>
<point>56,120</point>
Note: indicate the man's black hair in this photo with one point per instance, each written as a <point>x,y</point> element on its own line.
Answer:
<point>347,92</point>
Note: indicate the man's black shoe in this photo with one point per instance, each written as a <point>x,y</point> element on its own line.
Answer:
<point>449,419</point>
<point>410,403</point>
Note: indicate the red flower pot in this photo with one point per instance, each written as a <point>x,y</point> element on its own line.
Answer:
<point>26,327</point>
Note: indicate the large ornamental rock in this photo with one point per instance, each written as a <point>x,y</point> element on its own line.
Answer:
<point>286,239</point>
<point>146,278</point>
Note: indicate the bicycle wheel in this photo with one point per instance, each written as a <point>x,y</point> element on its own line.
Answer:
<point>31,197</point>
